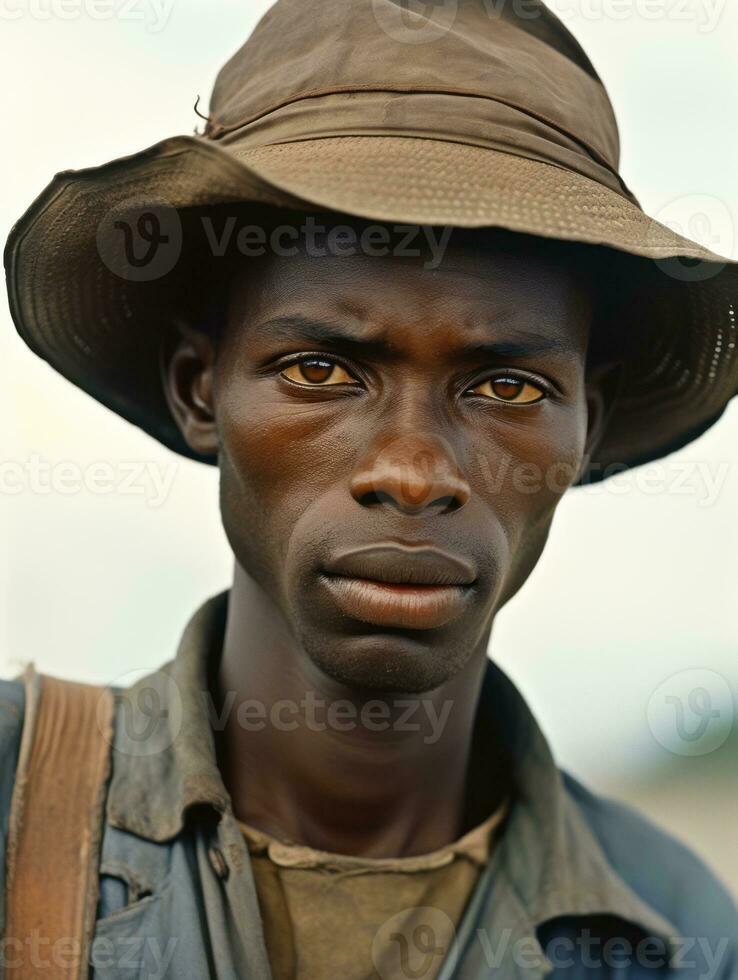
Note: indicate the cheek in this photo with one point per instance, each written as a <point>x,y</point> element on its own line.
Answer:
<point>277,458</point>
<point>525,466</point>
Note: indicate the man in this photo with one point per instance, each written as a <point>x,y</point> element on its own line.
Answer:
<point>331,778</point>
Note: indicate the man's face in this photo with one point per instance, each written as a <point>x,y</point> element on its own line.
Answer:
<point>393,442</point>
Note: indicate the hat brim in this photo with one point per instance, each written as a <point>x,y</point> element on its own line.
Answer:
<point>98,323</point>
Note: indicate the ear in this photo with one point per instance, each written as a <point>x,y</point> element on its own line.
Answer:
<point>603,384</point>
<point>187,375</point>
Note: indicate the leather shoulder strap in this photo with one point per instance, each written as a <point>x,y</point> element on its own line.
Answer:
<point>55,828</point>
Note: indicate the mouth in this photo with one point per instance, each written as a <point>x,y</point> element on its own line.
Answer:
<point>400,586</point>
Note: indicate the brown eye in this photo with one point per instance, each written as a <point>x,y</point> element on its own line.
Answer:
<point>512,390</point>
<point>317,371</point>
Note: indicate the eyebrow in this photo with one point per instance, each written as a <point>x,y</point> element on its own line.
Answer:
<point>323,331</point>
<point>341,334</point>
<point>523,345</point>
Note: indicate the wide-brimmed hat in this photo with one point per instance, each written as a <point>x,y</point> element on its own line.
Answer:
<point>466,114</point>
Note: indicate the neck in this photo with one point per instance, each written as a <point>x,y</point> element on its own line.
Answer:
<point>307,759</point>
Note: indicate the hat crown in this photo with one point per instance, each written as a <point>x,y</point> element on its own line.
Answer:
<point>484,48</point>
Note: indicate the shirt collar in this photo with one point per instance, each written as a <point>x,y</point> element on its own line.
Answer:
<point>164,764</point>
<point>551,862</point>
<point>164,750</point>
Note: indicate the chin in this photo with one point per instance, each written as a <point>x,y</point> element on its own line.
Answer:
<point>388,662</point>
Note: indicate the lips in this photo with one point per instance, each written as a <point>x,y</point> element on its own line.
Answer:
<point>401,586</point>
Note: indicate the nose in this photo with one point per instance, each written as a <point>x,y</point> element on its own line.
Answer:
<point>413,474</point>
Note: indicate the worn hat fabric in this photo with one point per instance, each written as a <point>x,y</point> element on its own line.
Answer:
<point>468,114</point>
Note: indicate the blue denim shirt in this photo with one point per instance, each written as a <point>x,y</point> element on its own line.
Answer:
<point>577,886</point>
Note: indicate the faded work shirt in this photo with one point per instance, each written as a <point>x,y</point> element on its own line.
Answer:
<point>575,887</point>
<point>309,897</point>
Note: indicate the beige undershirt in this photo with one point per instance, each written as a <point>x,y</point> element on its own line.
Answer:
<point>329,916</point>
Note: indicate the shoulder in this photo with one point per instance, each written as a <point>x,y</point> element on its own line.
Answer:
<point>12,706</point>
<point>659,868</point>
<point>12,700</point>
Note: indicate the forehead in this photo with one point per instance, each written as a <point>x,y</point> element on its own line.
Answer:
<point>466,287</point>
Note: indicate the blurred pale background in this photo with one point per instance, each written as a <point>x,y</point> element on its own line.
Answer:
<point>639,582</point>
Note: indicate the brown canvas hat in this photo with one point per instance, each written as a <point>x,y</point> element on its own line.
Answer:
<point>465,114</point>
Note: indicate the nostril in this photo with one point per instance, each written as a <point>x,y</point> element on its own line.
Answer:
<point>447,504</point>
<point>373,497</point>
